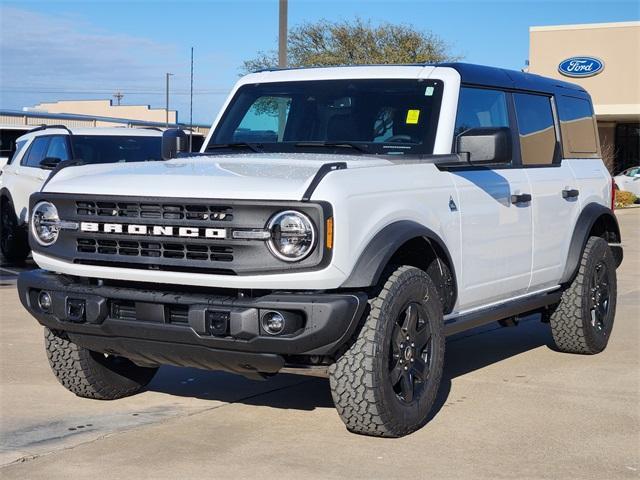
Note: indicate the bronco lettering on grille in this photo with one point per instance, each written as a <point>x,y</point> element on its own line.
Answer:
<point>157,230</point>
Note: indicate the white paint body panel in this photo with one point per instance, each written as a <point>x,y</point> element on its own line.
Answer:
<point>495,256</point>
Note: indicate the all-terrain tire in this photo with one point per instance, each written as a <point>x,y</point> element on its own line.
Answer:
<point>93,375</point>
<point>14,242</point>
<point>575,321</point>
<point>362,384</point>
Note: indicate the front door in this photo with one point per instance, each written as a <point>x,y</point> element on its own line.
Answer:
<point>496,226</point>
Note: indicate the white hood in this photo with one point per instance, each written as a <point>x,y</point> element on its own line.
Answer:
<point>240,176</point>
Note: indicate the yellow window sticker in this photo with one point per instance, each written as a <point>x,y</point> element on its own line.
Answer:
<point>412,117</point>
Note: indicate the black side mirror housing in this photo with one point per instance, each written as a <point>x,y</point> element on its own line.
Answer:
<point>174,142</point>
<point>49,163</point>
<point>485,145</point>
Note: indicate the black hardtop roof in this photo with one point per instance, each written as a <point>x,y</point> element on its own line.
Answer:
<point>482,75</point>
<point>503,78</point>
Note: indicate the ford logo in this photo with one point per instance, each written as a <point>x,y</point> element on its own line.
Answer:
<point>580,67</point>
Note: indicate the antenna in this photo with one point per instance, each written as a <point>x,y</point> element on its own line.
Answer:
<point>118,96</point>
<point>191,107</point>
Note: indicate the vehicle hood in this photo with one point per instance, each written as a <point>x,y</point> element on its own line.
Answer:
<point>236,176</point>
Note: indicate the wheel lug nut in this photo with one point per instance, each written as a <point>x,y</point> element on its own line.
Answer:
<point>406,368</point>
<point>408,338</point>
<point>412,360</point>
<point>413,345</point>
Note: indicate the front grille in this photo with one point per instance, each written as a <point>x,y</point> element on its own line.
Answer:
<point>164,211</point>
<point>159,233</point>
<point>156,249</point>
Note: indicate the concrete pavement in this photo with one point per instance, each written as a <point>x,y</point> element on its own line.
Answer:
<point>509,407</point>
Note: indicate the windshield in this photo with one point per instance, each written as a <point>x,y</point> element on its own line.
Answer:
<point>370,116</point>
<point>116,148</point>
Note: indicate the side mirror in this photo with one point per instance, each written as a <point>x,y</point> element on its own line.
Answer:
<point>49,163</point>
<point>174,141</point>
<point>485,144</point>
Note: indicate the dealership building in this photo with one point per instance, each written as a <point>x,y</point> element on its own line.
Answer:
<point>604,59</point>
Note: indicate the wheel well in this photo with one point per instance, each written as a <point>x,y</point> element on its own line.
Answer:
<point>428,255</point>
<point>605,227</point>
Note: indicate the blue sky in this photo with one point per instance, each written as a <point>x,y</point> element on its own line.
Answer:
<point>51,50</point>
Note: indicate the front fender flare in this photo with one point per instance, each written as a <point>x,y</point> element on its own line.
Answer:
<point>376,255</point>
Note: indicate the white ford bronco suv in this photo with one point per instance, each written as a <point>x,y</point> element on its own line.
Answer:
<point>338,221</point>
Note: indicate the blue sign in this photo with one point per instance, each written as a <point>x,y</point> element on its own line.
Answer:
<point>581,66</point>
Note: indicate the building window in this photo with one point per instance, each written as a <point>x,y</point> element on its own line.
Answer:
<point>577,126</point>
<point>627,151</point>
<point>537,131</point>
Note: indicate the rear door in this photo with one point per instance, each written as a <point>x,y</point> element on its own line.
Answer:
<point>496,233</point>
<point>555,192</point>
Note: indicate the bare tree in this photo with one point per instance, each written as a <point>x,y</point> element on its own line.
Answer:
<point>358,42</point>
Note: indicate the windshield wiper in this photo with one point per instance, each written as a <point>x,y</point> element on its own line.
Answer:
<point>354,146</point>
<point>255,147</point>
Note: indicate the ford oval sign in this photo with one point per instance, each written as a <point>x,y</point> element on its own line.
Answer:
<point>580,66</point>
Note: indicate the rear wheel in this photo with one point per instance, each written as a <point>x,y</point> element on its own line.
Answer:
<point>386,383</point>
<point>583,320</point>
<point>91,374</point>
<point>14,243</point>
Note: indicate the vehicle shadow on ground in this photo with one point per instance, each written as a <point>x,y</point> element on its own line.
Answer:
<point>466,352</point>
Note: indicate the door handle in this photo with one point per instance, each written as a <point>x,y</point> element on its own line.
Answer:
<point>570,193</point>
<point>521,198</point>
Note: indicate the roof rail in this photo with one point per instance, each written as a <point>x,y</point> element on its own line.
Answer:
<point>44,127</point>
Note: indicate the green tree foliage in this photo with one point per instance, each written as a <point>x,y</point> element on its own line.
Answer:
<point>358,42</point>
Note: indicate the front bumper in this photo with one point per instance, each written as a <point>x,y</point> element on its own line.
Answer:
<point>155,327</point>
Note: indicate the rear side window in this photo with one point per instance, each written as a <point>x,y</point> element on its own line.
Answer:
<point>36,152</point>
<point>577,126</point>
<point>536,128</point>
<point>479,107</point>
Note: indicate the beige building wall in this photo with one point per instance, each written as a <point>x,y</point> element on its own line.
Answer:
<point>105,108</point>
<point>616,90</point>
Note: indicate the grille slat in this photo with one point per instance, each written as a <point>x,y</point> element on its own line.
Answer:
<point>172,250</point>
<point>166,211</point>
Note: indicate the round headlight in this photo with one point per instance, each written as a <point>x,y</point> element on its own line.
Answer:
<point>45,223</point>
<point>293,236</point>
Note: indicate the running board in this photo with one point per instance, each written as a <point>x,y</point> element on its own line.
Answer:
<point>498,312</point>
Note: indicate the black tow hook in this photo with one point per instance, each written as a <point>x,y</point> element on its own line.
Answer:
<point>76,310</point>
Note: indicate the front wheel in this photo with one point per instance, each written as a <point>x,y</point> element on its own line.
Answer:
<point>386,383</point>
<point>14,243</point>
<point>92,374</point>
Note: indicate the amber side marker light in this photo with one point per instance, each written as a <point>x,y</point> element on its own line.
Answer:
<point>329,242</point>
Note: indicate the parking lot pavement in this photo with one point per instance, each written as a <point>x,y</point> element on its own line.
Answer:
<point>509,407</point>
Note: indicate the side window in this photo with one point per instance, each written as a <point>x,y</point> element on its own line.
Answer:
<point>537,130</point>
<point>19,146</point>
<point>58,148</point>
<point>36,152</point>
<point>577,127</point>
<point>479,107</point>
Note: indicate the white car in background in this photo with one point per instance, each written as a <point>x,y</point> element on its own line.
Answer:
<point>8,136</point>
<point>629,180</point>
<point>39,151</point>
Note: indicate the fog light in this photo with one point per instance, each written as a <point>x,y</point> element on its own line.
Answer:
<point>273,323</point>
<point>44,301</point>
